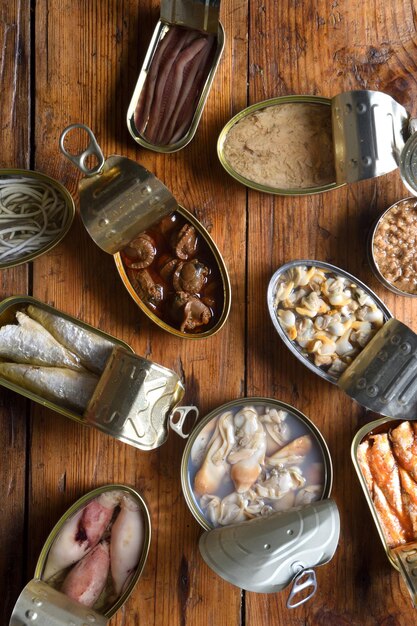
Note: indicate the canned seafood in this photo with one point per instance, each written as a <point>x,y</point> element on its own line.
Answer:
<point>168,262</point>
<point>150,125</point>
<point>392,247</point>
<point>380,449</point>
<point>232,465</point>
<point>36,212</point>
<point>296,145</point>
<point>89,579</point>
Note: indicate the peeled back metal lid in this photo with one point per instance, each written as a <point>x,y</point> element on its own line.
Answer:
<point>372,135</point>
<point>39,604</point>
<point>193,14</point>
<point>118,198</point>
<point>383,377</point>
<point>267,553</point>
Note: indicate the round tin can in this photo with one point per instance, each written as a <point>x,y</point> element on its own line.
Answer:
<point>234,406</point>
<point>296,99</point>
<point>272,308</point>
<point>73,510</point>
<point>63,193</point>
<point>226,288</point>
<point>371,256</point>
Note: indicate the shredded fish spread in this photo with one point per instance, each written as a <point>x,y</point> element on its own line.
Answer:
<point>284,146</point>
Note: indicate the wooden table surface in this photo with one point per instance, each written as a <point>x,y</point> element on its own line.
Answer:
<point>75,61</point>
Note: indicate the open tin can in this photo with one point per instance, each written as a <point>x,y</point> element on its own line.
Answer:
<point>167,260</point>
<point>125,396</point>
<point>379,371</point>
<point>375,449</point>
<point>90,562</point>
<point>176,75</point>
<point>340,140</point>
<point>392,248</point>
<point>257,474</point>
<point>50,210</point>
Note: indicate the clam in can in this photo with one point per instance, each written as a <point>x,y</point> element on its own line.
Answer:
<point>91,560</point>
<point>268,432</point>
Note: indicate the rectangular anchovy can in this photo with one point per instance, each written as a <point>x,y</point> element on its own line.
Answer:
<point>49,598</point>
<point>161,30</point>
<point>58,191</point>
<point>355,139</point>
<point>403,557</point>
<point>201,436</point>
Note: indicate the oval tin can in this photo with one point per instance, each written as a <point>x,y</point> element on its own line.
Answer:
<point>226,288</point>
<point>240,403</point>
<point>371,256</point>
<point>81,503</point>
<point>305,99</point>
<point>160,30</point>
<point>272,309</point>
<point>69,202</point>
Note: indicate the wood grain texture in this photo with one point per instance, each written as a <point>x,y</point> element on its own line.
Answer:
<point>14,411</point>
<point>86,58</point>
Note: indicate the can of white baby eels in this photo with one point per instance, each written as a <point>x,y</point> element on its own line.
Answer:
<point>36,212</point>
<point>233,495</point>
<point>390,239</point>
<point>400,546</point>
<point>297,145</point>
<point>91,561</point>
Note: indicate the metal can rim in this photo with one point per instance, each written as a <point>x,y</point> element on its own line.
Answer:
<point>371,257</point>
<point>79,504</point>
<point>186,489</point>
<point>290,344</point>
<point>22,300</point>
<point>181,143</point>
<point>227,290</point>
<point>71,210</point>
<point>360,435</point>
<point>251,109</point>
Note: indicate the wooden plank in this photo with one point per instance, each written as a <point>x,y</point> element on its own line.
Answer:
<point>87,73</point>
<point>325,49</point>
<point>15,153</point>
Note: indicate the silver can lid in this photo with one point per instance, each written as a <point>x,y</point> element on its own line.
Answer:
<point>118,198</point>
<point>267,553</point>
<point>383,377</point>
<point>408,160</point>
<point>39,604</point>
<point>369,133</point>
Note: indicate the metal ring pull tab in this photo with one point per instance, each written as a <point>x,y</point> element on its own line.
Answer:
<point>304,579</point>
<point>93,149</point>
<point>178,424</point>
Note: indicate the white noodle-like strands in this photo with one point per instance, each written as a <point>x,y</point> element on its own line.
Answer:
<point>32,215</point>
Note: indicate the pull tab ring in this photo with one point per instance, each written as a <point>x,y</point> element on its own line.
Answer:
<point>299,585</point>
<point>179,423</point>
<point>93,149</point>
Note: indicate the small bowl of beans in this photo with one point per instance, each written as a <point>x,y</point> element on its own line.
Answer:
<point>393,247</point>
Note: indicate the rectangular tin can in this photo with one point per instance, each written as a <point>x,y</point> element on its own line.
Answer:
<point>160,30</point>
<point>8,309</point>
<point>404,557</point>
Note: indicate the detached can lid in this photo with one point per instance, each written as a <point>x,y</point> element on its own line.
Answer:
<point>267,554</point>
<point>42,605</point>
